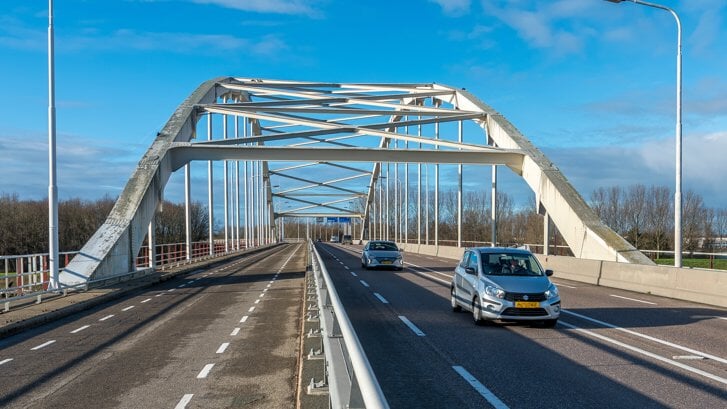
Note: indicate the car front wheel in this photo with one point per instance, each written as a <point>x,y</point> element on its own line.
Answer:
<point>455,306</point>
<point>550,323</point>
<point>476,312</point>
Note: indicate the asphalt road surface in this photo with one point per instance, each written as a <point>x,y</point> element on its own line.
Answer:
<point>226,336</point>
<point>610,349</point>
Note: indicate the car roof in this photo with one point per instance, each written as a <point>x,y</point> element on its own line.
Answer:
<point>499,250</point>
<point>382,241</point>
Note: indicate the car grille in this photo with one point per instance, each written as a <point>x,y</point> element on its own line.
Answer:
<point>525,312</point>
<point>521,297</point>
<point>382,259</point>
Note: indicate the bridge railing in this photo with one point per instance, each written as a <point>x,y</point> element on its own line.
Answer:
<point>351,381</point>
<point>27,276</point>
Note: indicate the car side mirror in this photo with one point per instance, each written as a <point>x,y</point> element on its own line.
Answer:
<point>401,250</point>
<point>548,273</point>
<point>470,270</point>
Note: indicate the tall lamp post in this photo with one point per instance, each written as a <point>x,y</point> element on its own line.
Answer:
<point>52,188</point>
<point>678,188</point>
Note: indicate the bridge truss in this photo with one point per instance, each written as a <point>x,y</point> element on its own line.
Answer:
<point>296,149</point>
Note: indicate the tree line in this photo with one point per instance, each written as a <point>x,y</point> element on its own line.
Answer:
<point>24,223</point>
<point>642,215</point>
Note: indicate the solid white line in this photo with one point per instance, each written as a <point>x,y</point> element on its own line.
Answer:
<point>251,309</point>
<point>184,401</point>
<point>145,301</point>
<point>235,332</point>
<point>223,347</point>
<point>205,371</point>
<point>364,283</point>
<point>429,276</point>
<point>722,318</point>
<point>480,388</point>
<point>632,299</point>
<point>77,330</point>
<point>650,338</point>
<point>106,317</point>
<point>354,274</point>
<point>649,354</point>
<point>128,308</point>
<point>43,345</point>
<point>411,326</point>
<point>4,361</point>
<point>381,298</point>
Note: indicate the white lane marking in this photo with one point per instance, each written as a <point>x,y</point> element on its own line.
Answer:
<point>223,347</point>
<point>205,371</point>
<point>128,308</point>
<point>354,274</point>
<point>340,262</point>
<point>257,301</point>
<point>4,361</point>
<point>429,276</point>
<point>158,295</point>
<point>381,298</point>
<point>184,401</point>
<point>251,309</point>
<point>563,285</point>
<point>43,345</point>
<point>106,317</point>
<point>243,319</point>
<point>190,282</point>
<point>411,326</point>
<point>181,285</point>
<point>649,354</point>
<point>77,330</point>
<point>364,283</point>
<point>261,295</point>
<point>346,267</point>
<point>146,301</point>
<point>632,299</point>
<point>265,289</point>
<point>480,388</point>
<point>235,332</point>
<point>688,357</point>
<point>650,338</point>
<point>268,286</point>
<point>170,290</point>
<point>722,318</point>
<point>272,281</point>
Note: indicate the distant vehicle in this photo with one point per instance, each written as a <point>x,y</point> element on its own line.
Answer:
<point>318,239</point>
<point>334,239</point>
<point>506,284</point>
<point>346,239</point>
<point>379,253</point>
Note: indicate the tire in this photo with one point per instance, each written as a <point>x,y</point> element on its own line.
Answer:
<point>455,306</point>
<point>476,312</point>
<point>550,323</point>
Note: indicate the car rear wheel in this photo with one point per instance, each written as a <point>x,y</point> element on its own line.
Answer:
<point>455,306</point>
<point>476,311</point>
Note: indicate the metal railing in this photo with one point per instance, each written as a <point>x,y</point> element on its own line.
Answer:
<point>351,381</point>
<point>27,276</point>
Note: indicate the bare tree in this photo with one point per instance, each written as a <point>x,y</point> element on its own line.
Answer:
<point>634,208</point>
<point>693,216</point>
<point>658,216</point>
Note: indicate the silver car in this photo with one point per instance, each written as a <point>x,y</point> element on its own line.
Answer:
<point>504,284</point>
<point>380,253</point>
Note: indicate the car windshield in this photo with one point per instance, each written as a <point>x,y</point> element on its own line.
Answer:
<point>383,246</point>
<point>516,264</point>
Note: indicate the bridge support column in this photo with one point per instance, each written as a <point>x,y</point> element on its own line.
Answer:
<point>188,210</point>
<point>151,241</point>
<point>493,217</point>
<point>546,233</point>
<point>210,193</point>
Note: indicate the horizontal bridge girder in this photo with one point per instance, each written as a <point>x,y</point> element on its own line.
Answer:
<point>184,153</point>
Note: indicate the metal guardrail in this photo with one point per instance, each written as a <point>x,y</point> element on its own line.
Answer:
<point>352,383</point>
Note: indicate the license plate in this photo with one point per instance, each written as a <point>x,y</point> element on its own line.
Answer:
<point>386,262</point>
<point>527,304</point>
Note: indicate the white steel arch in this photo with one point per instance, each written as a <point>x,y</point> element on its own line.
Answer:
<point>314,137</point>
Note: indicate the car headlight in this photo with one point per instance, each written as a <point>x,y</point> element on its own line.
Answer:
<point>552,291</point>
<point>495,292</point>
<point>399,257</point>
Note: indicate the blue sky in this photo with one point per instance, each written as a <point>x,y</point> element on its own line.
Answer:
<point>591,83</point>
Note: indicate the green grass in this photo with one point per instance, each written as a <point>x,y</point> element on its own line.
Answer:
<point>719,264</point>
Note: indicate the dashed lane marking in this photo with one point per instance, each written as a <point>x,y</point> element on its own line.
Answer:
<point>205,371</point>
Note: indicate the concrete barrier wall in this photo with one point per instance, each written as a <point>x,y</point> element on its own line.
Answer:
<point>689,284</point>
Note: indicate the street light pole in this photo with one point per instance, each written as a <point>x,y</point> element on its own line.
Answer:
<point>52,188</point>
<point>678,187</point>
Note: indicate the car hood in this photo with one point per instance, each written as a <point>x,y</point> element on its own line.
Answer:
<point>520,284</point>
<point>383,253</point>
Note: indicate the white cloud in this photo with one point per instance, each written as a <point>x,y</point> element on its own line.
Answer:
<point>301,7</point>
<point>454,8</point>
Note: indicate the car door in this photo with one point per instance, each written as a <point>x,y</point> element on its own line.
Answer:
<point>469,278</point>
<point>462,279</point>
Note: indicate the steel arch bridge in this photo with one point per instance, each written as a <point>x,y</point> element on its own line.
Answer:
<point>328,141</point>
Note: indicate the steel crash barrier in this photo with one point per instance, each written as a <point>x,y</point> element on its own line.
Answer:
<point>351,381</point>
